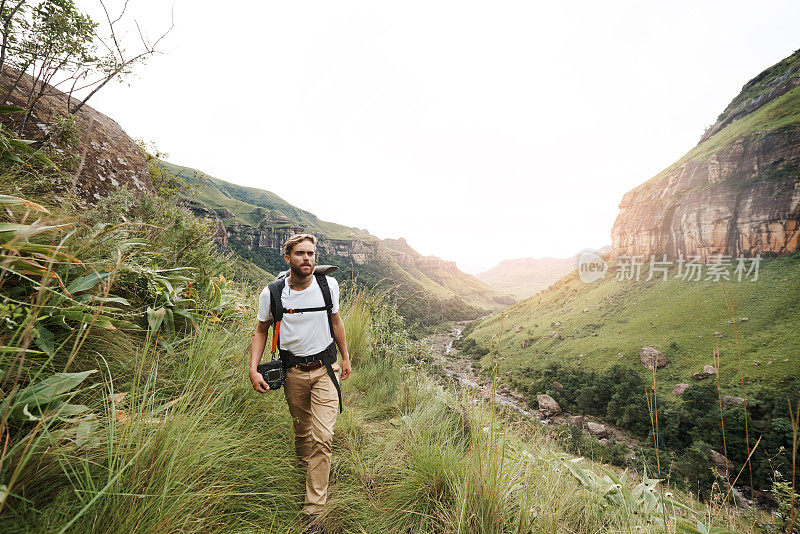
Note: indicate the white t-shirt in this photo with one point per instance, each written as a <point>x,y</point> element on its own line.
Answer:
<point>303,334</point>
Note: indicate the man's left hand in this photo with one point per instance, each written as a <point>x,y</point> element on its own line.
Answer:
<point>345,372</point>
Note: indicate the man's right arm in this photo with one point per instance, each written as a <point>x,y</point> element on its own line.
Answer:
<point>257,345</point>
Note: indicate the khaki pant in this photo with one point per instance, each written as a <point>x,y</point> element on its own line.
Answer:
<point>313,403</point>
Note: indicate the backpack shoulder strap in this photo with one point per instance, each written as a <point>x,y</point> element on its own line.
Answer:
<point>275,304</point>
<point>276,309</point>
<point>326,296</point>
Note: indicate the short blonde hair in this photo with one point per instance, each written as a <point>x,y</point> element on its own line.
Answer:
<point>295,239</point>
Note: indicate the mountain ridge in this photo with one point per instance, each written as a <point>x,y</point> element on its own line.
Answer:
<point>254,223</point>
<point>524,277</point>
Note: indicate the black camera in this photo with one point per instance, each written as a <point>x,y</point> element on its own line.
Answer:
<point>273,373</point>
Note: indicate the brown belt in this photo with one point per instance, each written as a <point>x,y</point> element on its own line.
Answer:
<point>309,366</point>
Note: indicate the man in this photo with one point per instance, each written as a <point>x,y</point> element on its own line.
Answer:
<point>311,388</point>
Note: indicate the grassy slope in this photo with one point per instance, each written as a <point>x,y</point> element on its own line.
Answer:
<point>629,315</point>
<point>240,200</point>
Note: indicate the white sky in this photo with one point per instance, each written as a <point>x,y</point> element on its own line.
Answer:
<point>479,131</point>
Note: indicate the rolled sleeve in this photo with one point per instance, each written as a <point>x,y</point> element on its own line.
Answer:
<point>264,311</point>
<point>334,286</point>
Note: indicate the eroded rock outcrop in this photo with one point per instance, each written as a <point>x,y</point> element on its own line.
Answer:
<point>736,193</point>
<point>110,158</point>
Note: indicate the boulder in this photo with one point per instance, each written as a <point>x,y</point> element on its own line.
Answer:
<point>679,389</point>
<point>699,376</point>
<point>721,464</point>
<point>709,370</point>
<point>729,401</point>
<point>597,429</point>
<point>652,358</point>
<point>575,420</point>
<point>548,405</point>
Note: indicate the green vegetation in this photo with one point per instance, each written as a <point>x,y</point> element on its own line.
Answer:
<point>126,404</point>
<point>150,424</point>
<point>251,206</point>
<point>588,337</point>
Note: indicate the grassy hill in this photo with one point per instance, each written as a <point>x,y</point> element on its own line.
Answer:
<point>581,345</point>
<point>432,290</point>
<point>606,323</point>
<point>242,202</point>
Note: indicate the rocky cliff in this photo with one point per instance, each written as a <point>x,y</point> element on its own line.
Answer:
<point>737,192</point>
<point>109,157</point>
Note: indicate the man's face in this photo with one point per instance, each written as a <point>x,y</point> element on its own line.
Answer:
<point>302,259</point>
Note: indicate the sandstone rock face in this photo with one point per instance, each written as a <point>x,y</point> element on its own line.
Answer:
<point>264,235</point>
<point>723,205</point>
<point>597,429</point>
<point>652,358</point>
<point>220,235</point>
<point>548,405</point>
<point>730,196</point>
<point>679,389</point>
<point>112,159</point>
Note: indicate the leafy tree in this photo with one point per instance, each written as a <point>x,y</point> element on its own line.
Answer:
<point>62,47</point>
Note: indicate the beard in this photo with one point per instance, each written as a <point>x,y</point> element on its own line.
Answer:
<point>298,271</point>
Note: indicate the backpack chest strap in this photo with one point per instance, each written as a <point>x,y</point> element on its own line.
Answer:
<point>302,310</point>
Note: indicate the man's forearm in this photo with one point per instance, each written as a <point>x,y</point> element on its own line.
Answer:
<point>339,336</point>
<point>257,345</point>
